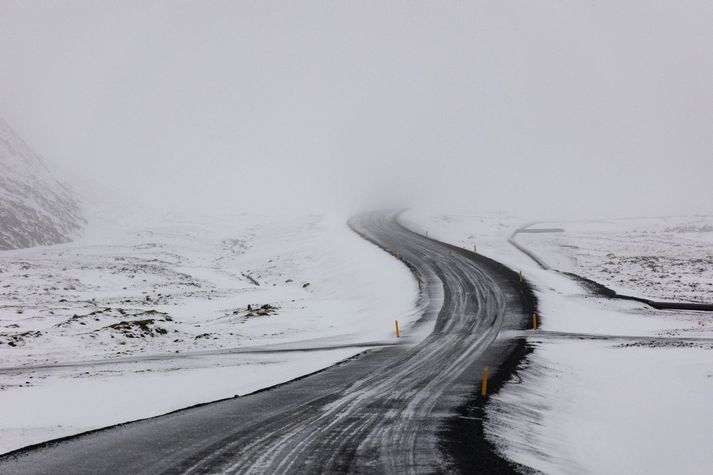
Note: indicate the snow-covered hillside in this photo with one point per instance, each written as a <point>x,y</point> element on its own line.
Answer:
<point>35,208</point>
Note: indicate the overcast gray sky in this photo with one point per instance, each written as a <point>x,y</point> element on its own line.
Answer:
<point>544,108</point>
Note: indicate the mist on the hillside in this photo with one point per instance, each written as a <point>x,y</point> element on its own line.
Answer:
<point>544,109</point>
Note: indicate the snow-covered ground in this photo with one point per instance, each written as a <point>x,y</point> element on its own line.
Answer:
<point>666,258</point>
<point>149,315</point>
<point>611,386</point>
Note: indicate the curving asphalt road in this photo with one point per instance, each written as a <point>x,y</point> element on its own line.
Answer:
<point>409,408</point>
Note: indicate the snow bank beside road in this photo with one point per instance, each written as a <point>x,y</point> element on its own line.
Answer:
<point>598,407</point>
<point>182,286</point>
<point>45,404</point>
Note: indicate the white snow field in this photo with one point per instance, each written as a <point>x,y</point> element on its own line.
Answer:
<point>611,386</point>
<point>141,318</point>
<point>664,258</point>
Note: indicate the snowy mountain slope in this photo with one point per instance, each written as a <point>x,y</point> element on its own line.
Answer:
<point>35,208</point>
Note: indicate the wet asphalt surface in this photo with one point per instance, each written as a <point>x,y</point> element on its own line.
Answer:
<point>410,408</point>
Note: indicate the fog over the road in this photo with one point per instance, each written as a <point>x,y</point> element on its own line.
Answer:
<point>547,108</point>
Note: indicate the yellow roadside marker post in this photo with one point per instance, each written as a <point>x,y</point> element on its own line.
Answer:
<point>397,329</point>
<point>398,254</point>
<point>534,322</point>
<point>484,389</point>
